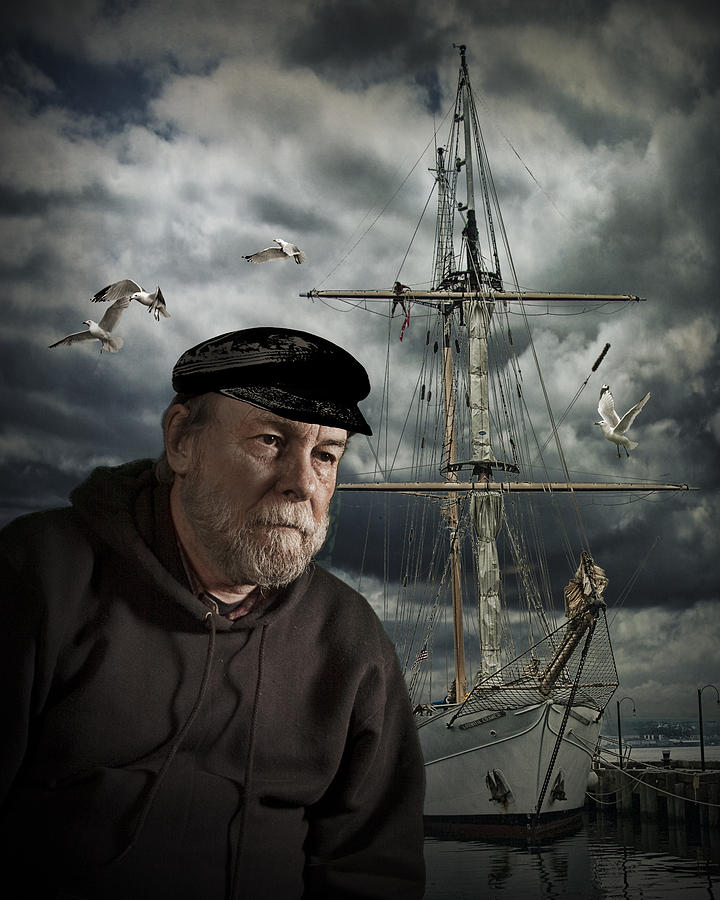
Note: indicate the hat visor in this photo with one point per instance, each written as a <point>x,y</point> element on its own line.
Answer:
<point>290,405</point>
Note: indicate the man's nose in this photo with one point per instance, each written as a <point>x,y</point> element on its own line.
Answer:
<point>298,479</point>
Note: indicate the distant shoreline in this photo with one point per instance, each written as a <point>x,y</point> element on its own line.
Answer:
<point>678,753</point>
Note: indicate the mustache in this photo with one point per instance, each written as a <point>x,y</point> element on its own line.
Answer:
<point>285,515</point>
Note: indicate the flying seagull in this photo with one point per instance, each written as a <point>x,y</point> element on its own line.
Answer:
<point>613,427</point>
<point>284,250</point>
<point>101,330</point>
<point>154,300</point>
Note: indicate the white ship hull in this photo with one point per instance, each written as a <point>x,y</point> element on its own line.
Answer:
<point>485,773</point>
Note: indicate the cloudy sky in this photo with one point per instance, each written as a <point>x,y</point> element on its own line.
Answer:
<point>163,141</point>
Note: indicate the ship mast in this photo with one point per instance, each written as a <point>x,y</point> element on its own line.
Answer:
<point>452,515</point>
<point>474,292</point>
<point>486,505</point>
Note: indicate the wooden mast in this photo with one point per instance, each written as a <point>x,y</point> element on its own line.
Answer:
<point>452,517</point>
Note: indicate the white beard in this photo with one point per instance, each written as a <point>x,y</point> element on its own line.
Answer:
<point>252,549</point>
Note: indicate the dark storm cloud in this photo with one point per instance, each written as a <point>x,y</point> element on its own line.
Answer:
<point>641,557</point>
<point>161,142</point>
<point>357,177</point>
<point>275,211</point>
<point>629,64</point>
<point>30,269</point>
<point>363,42</point>
<point>62,392</point>
<point>32,486</point>
<point>510,77</point>
<point>62,419</point>
<point>92,197</point>
<point>118,92</point>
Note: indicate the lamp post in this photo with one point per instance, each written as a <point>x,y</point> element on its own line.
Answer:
<point>617,703</point>
<point>700,723</point>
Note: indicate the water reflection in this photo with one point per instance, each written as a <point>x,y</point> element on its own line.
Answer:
<point>606,859</point>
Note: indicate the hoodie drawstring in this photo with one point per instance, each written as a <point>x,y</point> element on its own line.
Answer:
<point>177,741</point>
<point>234,887</point>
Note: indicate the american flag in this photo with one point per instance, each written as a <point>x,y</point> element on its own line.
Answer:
<point>423,654</point>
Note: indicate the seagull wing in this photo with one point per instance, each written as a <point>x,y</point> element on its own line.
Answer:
<point>298,255</point>
<point>158,304</point>
<point>266,255</point>
<point>73,339</point>
<point>113,314</point>
<point>629,417</point>
<point>606,408</point>
<point>116,291</point>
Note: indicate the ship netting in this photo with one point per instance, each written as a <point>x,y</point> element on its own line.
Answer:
<point>572,666</point>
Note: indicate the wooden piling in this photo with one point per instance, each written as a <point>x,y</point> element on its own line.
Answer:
<point>676,802</point>
<point>648,806</point>
<point>679,791</point>
<point>625,787</point>
<point>687,793</point>
<point>713,796</point>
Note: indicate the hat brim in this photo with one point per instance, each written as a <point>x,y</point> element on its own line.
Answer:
<point>288,403</point>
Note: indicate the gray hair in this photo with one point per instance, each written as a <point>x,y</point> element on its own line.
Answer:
<point>201,409</point>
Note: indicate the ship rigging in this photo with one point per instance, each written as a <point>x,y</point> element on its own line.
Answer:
<point>509,746</point>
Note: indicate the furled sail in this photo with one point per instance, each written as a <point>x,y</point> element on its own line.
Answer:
<point>479,314</point>
<point>486,510</point>
<point>583,602</point>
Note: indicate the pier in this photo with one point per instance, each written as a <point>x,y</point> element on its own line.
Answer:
<point>678,791</point>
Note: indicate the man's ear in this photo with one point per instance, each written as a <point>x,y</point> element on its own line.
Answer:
<point>179,445</point>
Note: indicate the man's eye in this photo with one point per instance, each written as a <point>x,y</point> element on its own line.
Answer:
<point>272,440</point>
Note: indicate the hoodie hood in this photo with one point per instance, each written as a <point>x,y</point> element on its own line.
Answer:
<point>126,508</point>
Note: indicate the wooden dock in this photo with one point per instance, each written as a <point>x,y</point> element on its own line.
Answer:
<point>676,790</point>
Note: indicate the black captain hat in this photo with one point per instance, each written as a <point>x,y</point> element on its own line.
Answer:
<point>294,374</point>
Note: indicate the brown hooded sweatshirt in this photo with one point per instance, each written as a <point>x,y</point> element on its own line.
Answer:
<point>152,748</point>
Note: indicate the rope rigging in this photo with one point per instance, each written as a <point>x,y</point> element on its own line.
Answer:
<point>426,523</point>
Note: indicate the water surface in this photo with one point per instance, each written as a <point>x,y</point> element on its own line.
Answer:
<point>610,857</point>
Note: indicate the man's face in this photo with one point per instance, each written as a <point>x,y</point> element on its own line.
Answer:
<point>258,491</point>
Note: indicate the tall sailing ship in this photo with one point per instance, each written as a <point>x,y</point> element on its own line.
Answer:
<point>509,741</point>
